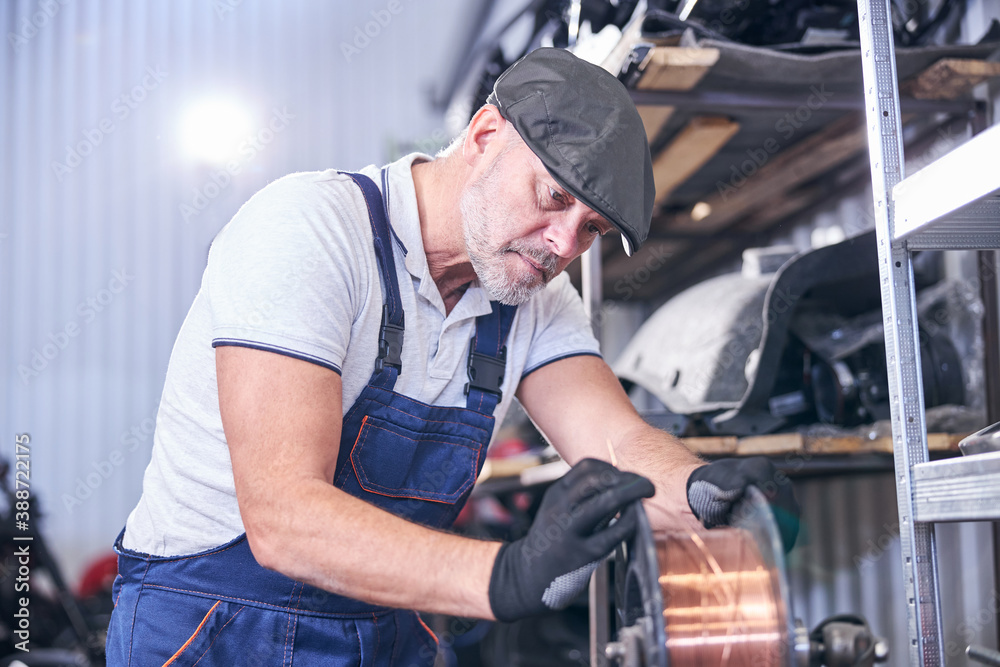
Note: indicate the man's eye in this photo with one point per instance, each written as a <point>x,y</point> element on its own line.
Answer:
<point>558,196</point>
<point>595,230</point>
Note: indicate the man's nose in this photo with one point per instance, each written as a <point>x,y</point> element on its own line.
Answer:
<point>562,236</point>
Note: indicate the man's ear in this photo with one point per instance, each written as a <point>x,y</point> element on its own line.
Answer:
<point>484,128</point>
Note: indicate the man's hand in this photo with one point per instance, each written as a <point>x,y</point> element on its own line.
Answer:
<point>580,407</point>
<point>550,566</point>
<point>714,489</point>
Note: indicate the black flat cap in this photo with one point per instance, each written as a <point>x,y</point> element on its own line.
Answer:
<point>580,121</point>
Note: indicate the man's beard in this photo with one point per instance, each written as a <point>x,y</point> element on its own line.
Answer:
<point>484,211</point>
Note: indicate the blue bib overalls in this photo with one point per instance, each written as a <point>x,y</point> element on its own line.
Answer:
<point>219,608</point>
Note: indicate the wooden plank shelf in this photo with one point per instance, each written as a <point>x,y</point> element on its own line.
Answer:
<point>530,469</point>
<point>789,443</point>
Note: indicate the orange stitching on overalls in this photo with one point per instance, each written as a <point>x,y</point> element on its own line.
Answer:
<point>376,426</point>
<point>385,491</point>
<point>397,495</point>
<point>356,441</point>
<point>219,634</point>
<point>363,479</point>
<point>429,631</point>
<point>193,634</point>
<point>343,471</point>
<point>377,639</point>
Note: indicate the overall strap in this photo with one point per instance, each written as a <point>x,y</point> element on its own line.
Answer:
<point>389,364</point>
<point>488,358</point>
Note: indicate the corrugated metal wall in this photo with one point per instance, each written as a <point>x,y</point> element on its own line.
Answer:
<point>847,560</point>
<point>98,260</point>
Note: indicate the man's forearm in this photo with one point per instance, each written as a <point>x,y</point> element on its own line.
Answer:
<point>327,538</point>
<point>667,462</point>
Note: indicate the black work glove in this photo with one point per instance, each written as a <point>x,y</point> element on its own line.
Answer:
<point>714,489</point>
<point>550,566</point>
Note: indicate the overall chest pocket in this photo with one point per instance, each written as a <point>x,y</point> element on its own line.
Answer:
<point>394,461</point>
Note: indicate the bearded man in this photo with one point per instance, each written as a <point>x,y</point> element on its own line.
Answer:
<point>355,343</point>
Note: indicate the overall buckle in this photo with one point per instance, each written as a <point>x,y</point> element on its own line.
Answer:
<point>390,343</point>
<point>486,372</point>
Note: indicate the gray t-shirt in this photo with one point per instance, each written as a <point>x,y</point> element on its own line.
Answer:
<point>295,273</point>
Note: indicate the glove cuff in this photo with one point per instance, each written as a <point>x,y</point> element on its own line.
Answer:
<point>500,599</point>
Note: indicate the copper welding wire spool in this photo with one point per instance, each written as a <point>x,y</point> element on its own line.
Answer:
<point>721,605</point>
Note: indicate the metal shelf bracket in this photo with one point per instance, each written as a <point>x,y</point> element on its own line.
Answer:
<point>909,431</point>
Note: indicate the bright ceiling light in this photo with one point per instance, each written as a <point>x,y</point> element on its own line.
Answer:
<point>211,129</point>
<point>700,211</point>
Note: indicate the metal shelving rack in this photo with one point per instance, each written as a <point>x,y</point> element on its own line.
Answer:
<point>954,203</point>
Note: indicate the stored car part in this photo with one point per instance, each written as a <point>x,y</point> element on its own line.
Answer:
<point>802,345</point>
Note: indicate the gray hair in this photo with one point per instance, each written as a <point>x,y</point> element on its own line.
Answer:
<point>455,144</point>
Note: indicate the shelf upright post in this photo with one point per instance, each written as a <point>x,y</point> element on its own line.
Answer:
<point>591,282</point>
<point>909,432</point>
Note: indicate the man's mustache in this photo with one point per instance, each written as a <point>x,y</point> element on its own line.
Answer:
<point>546,261</point>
